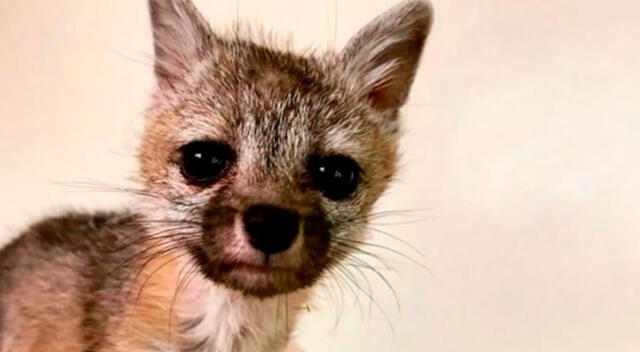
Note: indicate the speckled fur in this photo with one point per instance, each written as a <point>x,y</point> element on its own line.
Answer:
<point>157,278</point>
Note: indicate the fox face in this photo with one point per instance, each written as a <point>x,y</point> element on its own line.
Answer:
<point>261,165</point>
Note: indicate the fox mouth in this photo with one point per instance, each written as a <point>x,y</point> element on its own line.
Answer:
<point>258,269</point>
<point>262,279</point>
<point>246,251</point>
<point>257,278</point>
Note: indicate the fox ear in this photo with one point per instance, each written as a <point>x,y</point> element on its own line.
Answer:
<point>181,38</point>
<point>383,56</point>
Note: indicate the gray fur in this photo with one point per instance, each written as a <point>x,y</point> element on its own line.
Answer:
<point>67,270</point>
<point>277,110</point>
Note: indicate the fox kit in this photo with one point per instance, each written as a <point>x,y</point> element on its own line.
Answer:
<point>259,171</point>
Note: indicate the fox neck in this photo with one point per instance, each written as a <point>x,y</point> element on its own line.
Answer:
<point>233,322</point>
<point>203,316</point>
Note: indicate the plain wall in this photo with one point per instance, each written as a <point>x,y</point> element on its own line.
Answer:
<point>520,153</point>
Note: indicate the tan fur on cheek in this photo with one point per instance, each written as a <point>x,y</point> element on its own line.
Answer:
<point>149,318</point>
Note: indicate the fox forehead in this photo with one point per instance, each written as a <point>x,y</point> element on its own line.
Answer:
<point>277,107</point>
<point>280,137</point>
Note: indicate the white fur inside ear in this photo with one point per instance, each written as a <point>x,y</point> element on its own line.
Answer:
<point>190,24</point>
<point>380,76</point>
<point>383,57</point>
<point>181,38</point>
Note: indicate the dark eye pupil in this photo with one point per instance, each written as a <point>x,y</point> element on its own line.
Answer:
<point>204,161</point>
<point>336,176</point>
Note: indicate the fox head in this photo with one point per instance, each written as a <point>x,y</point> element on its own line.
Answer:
<point>264,165</point>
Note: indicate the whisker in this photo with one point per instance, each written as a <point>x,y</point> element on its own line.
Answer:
<point>388,213</point>
<point>95,186</point>
<point>365,265</point>
<point>339,301</point>
<point>412,247</point>
<point>348,246</point>
<point>356,243</point>
<point>141,254</point>
<point>376,303</point>
<point>160,235</point>
<point>356,293</point>
<point>365,278</point>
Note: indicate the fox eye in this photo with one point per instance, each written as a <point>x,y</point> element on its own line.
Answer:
<point>337,176</point>
<point>203,162</point>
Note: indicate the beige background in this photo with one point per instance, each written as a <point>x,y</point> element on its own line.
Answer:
<point>522,140</point>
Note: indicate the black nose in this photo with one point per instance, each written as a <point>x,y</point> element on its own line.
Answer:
<point>271,229</point>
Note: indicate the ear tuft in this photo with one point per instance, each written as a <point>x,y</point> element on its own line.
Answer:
<point>181,38</point>
<point>384,55</point>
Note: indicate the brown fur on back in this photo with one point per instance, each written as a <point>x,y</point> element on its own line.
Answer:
<point>68,303</point>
